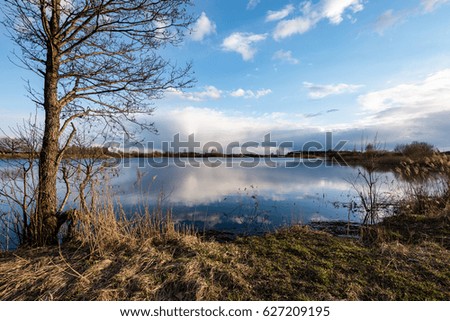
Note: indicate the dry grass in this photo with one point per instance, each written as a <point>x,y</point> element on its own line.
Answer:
<point>427,185</point>
<point>177,268</point>
<point>148,260</point>
<point>116,258</point>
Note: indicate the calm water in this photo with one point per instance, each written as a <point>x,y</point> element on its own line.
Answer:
<point>239,199</point>
<point>236,199</point>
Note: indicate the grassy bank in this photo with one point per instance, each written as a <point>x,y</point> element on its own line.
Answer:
<point>405,260</point>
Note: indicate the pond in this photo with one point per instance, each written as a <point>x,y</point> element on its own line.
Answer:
<point>238,196</point>
<point>235,195</point>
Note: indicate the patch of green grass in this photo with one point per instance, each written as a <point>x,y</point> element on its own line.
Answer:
<point>316,266</point>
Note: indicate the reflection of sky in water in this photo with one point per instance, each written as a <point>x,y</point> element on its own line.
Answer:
<point>239,199</point>
<point>233,199</point>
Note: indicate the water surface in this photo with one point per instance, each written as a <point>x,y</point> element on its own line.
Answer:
<point>240,199</point>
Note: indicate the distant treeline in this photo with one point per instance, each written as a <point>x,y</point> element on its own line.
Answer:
<point>14,148</point>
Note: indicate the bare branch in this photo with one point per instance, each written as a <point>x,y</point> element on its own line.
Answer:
<point>65,173</point>
<point>66,145</point>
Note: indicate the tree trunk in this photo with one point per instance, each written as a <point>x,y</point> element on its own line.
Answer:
<point>46,222</point>
<point>46,216</point>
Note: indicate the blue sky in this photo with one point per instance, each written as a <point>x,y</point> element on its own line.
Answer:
<point>297,69</point>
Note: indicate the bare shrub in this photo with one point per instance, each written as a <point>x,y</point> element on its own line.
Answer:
<point>372,186</point>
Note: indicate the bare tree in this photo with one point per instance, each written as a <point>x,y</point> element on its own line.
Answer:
<point>99,62</point>
<point>11,145</point>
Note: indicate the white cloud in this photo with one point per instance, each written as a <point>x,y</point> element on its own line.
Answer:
<point>242,43</point>
<point>332,10</point>
<point>223,126</point>
<point>209,92</point>
<point>238,93</point>
<point>391,18</point>
<point>278,15</point>
<point>431,5</point>
<point>212,93</point>
<point>285,56</point>
<point>411,100</point>
<point>252,4</point>
<point>321,91</point>
<point>287,28</point>
<point>410,111</point>
<point>203,27</point>
<point>247,94</point>
<point>387,20</point>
